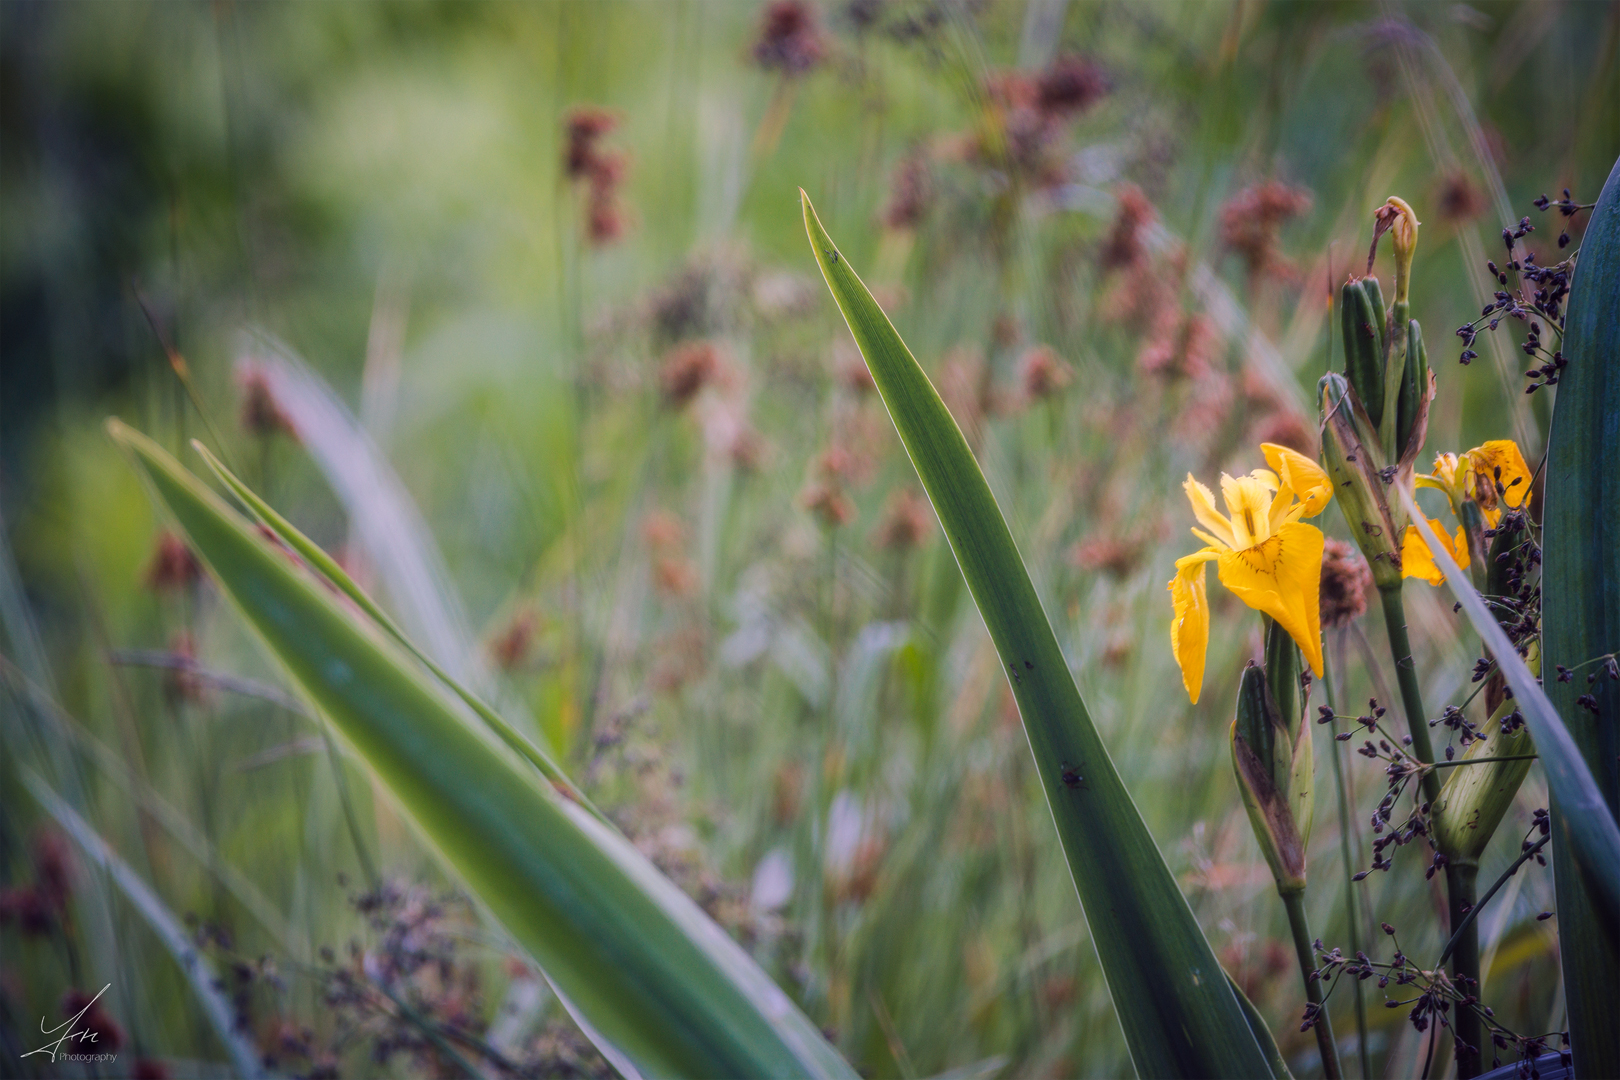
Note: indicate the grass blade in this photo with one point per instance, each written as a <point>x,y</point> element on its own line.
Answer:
<point>199,972</point>
<point>1580,583</point>
<point>1174,1002</point>
<point>665,990</point>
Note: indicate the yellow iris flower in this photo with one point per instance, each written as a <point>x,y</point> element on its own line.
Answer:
<point>1262,552</point>
<point>1489,476</point>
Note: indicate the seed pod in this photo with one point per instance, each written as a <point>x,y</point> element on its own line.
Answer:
<point>1361,312</point>
<point>1353,459</point>
<point>1272,758</point>
<point>1476,797</point>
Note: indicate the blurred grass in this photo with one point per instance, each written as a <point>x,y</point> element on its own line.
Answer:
<point>726,690</point>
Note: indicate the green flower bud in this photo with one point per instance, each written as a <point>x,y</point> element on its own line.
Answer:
<point>1271,754</point>
<point>1361,314</point>
<point>1354,461</point>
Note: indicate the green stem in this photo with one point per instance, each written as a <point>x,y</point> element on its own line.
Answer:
<point>1351,909</point>
<point>1417,723</point>
<point>1294,902</point>
<point>1461,882</point>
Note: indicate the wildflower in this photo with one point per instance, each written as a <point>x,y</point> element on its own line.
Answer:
<point>1460,199</point>
<point>1263,552</point>
<point>1070,86</point>
<point>601,170</point>
<point>510,647</point>
<point>1478,484</point>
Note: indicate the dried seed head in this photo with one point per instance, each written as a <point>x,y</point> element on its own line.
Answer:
<point>1043,373</point>
<point>686,370</point>
<point>1345,581</point>
<point>907,521</point>
<point>172,566</point>
<point>789,40</point>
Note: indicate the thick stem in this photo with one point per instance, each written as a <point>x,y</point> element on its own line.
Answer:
<point>1461,881</point>
<point>1351,908</point>
<point>1294,902</point>
<point>1417,722</point>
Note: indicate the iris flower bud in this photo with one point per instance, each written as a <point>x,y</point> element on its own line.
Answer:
<point>1354,461</point>
<point>1271,754</point>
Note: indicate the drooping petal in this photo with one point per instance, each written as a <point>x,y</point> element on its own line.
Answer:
<point>1418,561</point>
<point>1283,578</point>
<point>1189,627</point>
<point>1500,462</point>
<point>1304,476</point>
<point>1203,505</point>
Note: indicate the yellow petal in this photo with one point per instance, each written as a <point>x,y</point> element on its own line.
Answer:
<point>1189,628</point>
<point>1248,504</point>
<point>1203,505</point>
<point>1283,578</point>
<point>1304,476</point>
<point>1500,462</point>
<point>1418,561</point>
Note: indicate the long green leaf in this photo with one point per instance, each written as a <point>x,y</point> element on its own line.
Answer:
<point>1580,590</point>
<point>1172,998</point>
<point>328,567</point>
<point>662,989</point>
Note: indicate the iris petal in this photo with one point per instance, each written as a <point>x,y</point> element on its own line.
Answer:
<point>1282,577</point>
<point>1189,627</point>
<point>1418,561</point>
<point>1203,505</point>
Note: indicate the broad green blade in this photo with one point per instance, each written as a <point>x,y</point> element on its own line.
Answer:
<point>1172,998</point>
<point>1586,823</point>
<point>328,567</point>
<point>1580,598</point>
<point>662,988</point>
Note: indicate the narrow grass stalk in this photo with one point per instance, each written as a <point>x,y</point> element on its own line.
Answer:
<point>1417,724</point>
<point>1351,908</point>
<point>1294,902</point>
<point>1462,880</point>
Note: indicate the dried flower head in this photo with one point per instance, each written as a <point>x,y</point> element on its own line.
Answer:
<point>911,192</point>
<point>1125,245</point>
<point>1184,348</point>
<point>1071,85</point>
<point>1043,373</point>
<point>1287,428</point>
<point>601,170</point>
<point>260,414</point>
<point>686,370</point>
<point>789,38</point>
<point>512,644</point>
<point>663,531</point>
<point>585,126</point>
<point>675,575</point>
<point>100,1028</point>
<point>172,566</point>
<point>1251,220</point>
<point>1459,198</point>
<point>1345,581</point>
<point>850,370</point>
<point>1116,556</point>
<point>828,503</point>
<point>907,521</point>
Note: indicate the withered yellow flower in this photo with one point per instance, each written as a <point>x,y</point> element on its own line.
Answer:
<point>1263,553</point>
